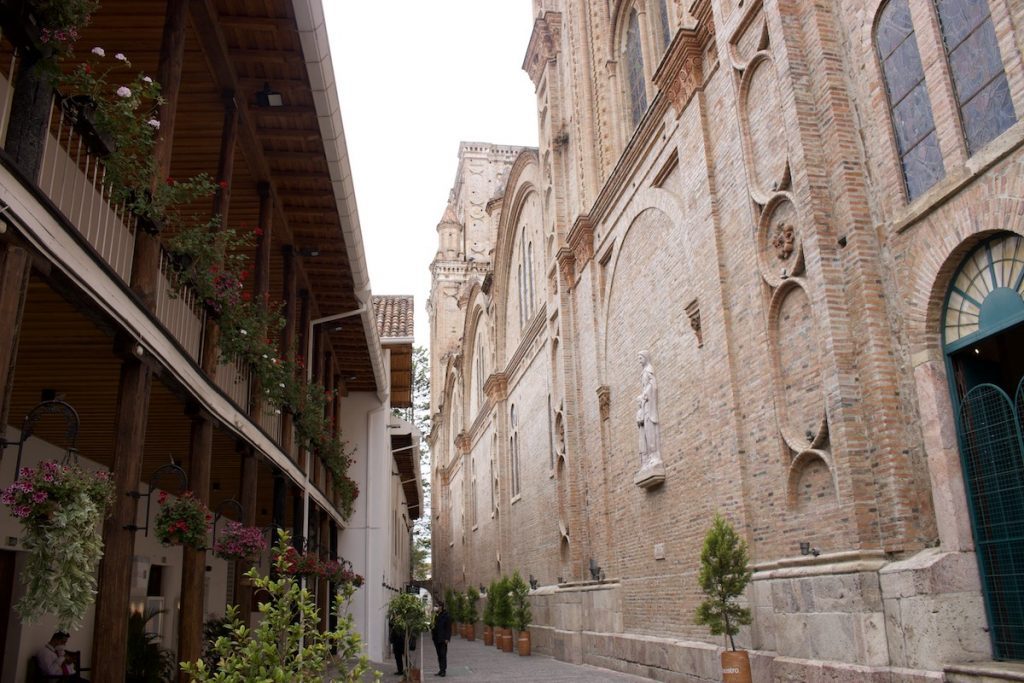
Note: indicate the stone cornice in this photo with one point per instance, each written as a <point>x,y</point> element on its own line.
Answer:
<point>681,72</point>
<point>462,443</point>
<point>567,265</point>
<point>545,44</point>
<point>496,387</point>
<point>533,329</point>
<point>581,240</point>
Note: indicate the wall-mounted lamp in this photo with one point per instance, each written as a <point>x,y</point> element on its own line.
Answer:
<point>483,589</point>
<point>595,571</point>
<point>268,97</point>
<point>806,549</point>
<point>533,582</point>
<point>309,251</point>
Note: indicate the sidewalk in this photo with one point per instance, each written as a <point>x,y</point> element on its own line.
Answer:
<point>476,662</point>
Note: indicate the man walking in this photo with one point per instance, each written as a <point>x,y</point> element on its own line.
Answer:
<point>397,637</point>
<point>441,633</point>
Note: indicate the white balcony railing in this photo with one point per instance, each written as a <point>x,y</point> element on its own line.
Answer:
<point>179,311</point>
<point>269,419</point>
<point>75,181</point>
<point>233,379</point>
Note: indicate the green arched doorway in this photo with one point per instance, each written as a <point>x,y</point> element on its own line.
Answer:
<point>983,339</point>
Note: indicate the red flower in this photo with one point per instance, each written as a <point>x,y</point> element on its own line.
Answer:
<point>170,180</point>
<point>244,275</point>
<point>88,69</point>
<point>223,184</point>
<point>246,296</point>
<point>258,231</point>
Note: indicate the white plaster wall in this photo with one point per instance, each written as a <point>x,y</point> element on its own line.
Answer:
<point>23,640</point>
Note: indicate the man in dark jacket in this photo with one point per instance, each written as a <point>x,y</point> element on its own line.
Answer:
<point>441,634</point>
<point>397,637</point>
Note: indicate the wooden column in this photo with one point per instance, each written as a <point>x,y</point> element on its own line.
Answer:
<point>326,587</point>
<point>193,570</point>
<point>303,332</point>
<point>277,508</point>
<point>118,533</point>
<point>287,350</point>
<point>261,285</point>
<point>15,269</point>
<point>146,256</point>
<point>221,203</point>
<point>248,491</point>
<point>30,114</point>
<point>332,621</point>
<point>298,533</point>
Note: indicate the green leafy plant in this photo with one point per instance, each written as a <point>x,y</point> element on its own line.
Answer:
<point>458,607</point>
<point>407,613</point>
<point>213,630</point>
<point>518,592</point>
<point>147,661</point>
<point>60,508</point>
<point>182,521</point>
<point>60,21</point>
<point>472,596</point>
<point>488,615</point>
<point>287,645</point>
<point>724,575</point>
<point>502,603</point>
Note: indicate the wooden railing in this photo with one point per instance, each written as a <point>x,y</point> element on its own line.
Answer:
<point>233,379</point>
<point>269,418</point>
<point>179,310</point>
<point>74,178</point>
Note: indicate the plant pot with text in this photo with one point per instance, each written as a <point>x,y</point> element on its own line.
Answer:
<point>488,635</point>
<point>413,675</point>
<point>506,640</point>
<point>524,643</point>
<point>470,632</point>
<point>735,666</point>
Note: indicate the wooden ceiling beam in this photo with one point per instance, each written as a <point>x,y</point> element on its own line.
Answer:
<point>265,56</point>
<point>266,23</point>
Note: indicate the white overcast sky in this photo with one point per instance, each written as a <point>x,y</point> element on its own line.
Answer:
<point>415,78</point>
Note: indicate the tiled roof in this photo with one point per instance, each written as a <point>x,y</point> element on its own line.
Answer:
<point>394,316</point>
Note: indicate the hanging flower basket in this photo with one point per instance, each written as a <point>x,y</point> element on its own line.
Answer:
<point>240,543</point>
<point>337,571</point>
<point>182,521</point>
<point>302,564</point>
<point>60,508</point>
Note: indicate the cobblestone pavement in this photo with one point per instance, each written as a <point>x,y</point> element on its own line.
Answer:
<point>473,661</point>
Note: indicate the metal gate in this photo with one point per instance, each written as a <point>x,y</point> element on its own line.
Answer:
<point>989,429</point>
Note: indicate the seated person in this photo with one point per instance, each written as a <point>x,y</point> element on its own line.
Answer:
<point>53,660</point>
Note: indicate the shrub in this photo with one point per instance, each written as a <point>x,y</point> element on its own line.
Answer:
<point>472,596</point>
<point>724,575</point>
<point>520,614</point>
<point>502,603</point>
<point>489,605</point>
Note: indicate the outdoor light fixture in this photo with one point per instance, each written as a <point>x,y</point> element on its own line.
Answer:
<point>560,580</point>
<point>595,571</point>
<point>268,97</point>
<point>483,589</point>
<point>534,582</point>
<point>806,549</point>
<point>309,251</point>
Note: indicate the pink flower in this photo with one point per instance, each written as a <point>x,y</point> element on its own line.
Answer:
<point>153,123</point>
<point>98,51</point>
<point>123,91</point>
<point>120,57</point>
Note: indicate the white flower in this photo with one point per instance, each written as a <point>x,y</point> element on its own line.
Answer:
<point>98,51</point>
<point>281,385</point>
<point>277,412</point>
<point>275,360</point>
<point>124,92</point>
<point>242,332</point>
<point>147,79</point>
<point>264,355</point>
<point>120,57</point>
<point>154,123</point>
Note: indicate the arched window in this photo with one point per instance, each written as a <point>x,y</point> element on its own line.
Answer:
<point>514,449</point>
<point>909,103</point>
<point>666,27</point>
<point>529,278</point>
<point>522,299</point>
<point>636,78</point>
<point>480,377</point>
<point>494,476</point>
<point>472,493</point>
<point>979,78</point>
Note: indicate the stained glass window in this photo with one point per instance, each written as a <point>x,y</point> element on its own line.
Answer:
<point>635,69</point>
<point>996,265</point>
<point>977,68</point>
<point>909,103</point>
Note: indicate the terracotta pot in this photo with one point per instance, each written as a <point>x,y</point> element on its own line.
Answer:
<point>488,635</point>
<point>471,632</point>
<point>413,675</point>
<point>735,667</point>
<point>497,637</point>
<point>524,643</point>
<point>506,640</point>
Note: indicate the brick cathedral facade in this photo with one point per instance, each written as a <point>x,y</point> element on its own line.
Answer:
<point>811,216</point>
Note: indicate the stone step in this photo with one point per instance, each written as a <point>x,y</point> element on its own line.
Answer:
<point>985,672</point>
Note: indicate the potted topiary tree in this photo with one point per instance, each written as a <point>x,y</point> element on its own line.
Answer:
<point>472,596</point>
<point>724,575</point>
<point>503,614</point>
<point>489,615</point>
<point>458,609</point>
<point>521,615</point>
<point>449,601</point>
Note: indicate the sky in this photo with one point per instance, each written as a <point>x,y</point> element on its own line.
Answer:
<point>415,78</point>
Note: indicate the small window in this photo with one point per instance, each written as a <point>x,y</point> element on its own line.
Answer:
<point>635,69</point>
<point>909,103</point>
<point>979,78</point>
<point>666,27</point>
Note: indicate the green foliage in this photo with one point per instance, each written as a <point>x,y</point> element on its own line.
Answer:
<point>472,596</point>
<point>502,602</point>
<point>457,607</point>
<point>147,661</point>
<point>60,21</point>
<point>407,613</point>
<point>488,617</point>
<point>287,645</point>
<point>519,591</point>
<point>724,575</point>
<point>214,630</point>
<point>60,508</point>
<point>183,520</point>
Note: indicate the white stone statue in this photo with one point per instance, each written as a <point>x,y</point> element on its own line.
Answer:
<point>647,414</point>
